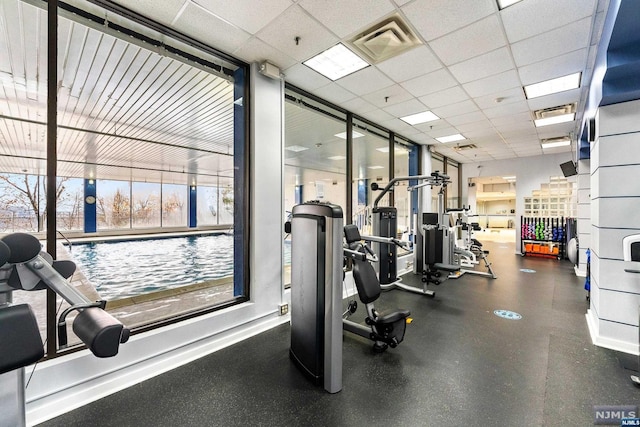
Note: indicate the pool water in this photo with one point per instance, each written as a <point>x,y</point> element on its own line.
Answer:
<point>124,269</point>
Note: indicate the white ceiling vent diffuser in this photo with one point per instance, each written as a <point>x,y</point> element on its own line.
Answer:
<point>546,113</point>
<point>386,39</point>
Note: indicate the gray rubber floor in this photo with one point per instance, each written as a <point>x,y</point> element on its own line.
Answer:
<point>459,364</point>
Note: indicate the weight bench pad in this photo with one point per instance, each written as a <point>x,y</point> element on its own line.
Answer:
<point>446,267</point>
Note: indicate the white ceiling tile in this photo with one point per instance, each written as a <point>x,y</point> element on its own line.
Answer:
<point>551,131</point>
<point>347,17</point>
<point>358,106</point>
<point>511,126</point>
<point>563,40</point>
<point>506,109</point>
<point>430,83</point>
<point>163,12</point>
<point>466,118</point>
<point>304,77</point>
<point>406,108</point>
<point>433,126</point>
<point>513,118</point>
<point>481,125</point>
<point>482,66</point>
<point>493,84</point>
<point>378,116</point>
<point>334,93</point>
<point>487,35</point>
<point>507,96</point>
<point>529,18</point>
<point>445,97</point>
<point>559,66</point>
<point>249,15</point>
<point>365,81</point>
<point>482,135</point>
<point>435,18</point>
<point>400,127</point>
<point>395,94</point>
<point>423,139</point>
<point>456,109</point>
<point>295,22</point>
<point>255,50</point>
<point>438,133</point>
<point>197,22</point>
<point>410,64</point>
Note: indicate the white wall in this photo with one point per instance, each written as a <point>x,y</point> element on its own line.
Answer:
<point>68,382</point>
<point>615,199</point>
<point>530,172</point>
<point>584,215</point>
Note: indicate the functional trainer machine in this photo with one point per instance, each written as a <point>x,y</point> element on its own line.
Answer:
<point>385,329</point>
<point>468,250</point>
<point>24,267</point>
<point>430,257</point>
<point>631,256</point>
<point>316,292</point>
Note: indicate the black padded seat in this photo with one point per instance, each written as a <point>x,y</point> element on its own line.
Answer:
<point>390,316</point>
<point>445,267</point>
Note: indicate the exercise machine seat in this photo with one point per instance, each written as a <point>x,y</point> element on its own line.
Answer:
<point>19,338</point>
<point>392,316</point>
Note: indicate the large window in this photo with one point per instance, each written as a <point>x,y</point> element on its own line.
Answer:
<point>141,120</point>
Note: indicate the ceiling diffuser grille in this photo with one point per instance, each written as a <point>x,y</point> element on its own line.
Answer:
<point>546,113</point>
<point>385,39</point>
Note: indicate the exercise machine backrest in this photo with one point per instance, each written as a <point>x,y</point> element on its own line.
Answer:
<point>364,274</point>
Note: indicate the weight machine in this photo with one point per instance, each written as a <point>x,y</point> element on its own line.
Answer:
<point>468,249</point>
<point>433,246</point>
<point>24,267</point>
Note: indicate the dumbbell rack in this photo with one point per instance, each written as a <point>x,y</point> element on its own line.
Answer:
<point>543,236</point>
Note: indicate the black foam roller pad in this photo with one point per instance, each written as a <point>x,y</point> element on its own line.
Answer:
<point>100,331</point>
<point>5,253</point>
<point>23,247</point>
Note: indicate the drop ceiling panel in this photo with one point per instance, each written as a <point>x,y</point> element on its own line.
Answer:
<point>527,19</point>
<point>493,84</point>
<point>255,50</point>
<point>456,109</point>
<point>559,66</point>
<point>295,22</point>
<point>304,77</point>
<point>249,15</point>
<point>475,126</point>
<point>388,96</point>
<point>435,18</point>
<point>410,64</point>
<point>455,47</point>
<point>466,118</point>
<point>448,96</point>
<point>561,98</point>
<point>358,106</point>
<point>430,83</point>
<point>365,81</point>
<point>482,66</point>
<point>406,108</point>
<point>197,22</point>
<point>507,96</point>
<point>334,93</point>
<point>502,110</point>
<point>360,14</point>
<point>563,40</point>
<point>164,11</point>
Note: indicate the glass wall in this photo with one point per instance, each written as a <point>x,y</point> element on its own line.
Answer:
<point>136,129</point>
<point>437,165</point>
<point>370,165</point>
<point>453,195</point>
<point>401,197</point>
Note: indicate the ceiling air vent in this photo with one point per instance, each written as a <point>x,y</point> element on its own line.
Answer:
<point>386,39</point>
<point>464,147</point>
<point>546,113</point>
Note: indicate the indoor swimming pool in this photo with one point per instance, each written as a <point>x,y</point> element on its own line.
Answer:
<point>122,269</point>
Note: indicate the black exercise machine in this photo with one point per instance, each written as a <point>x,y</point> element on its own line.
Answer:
<point>24,267</point>
<point>385,329</point>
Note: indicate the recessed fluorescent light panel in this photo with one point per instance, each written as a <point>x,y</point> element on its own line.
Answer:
<point>416,119</point>
<point>509,178</point>
<point>557,143</point>
<point>451,138</point>
<point>336,62</point>
<point>296,148</point>
<point>397,150</point>
<point>548,87</point>
<point>354,134</point>
<point>376,167</point>
<point>563,118</point>
<point>336,158</point>
<point>506,3</point>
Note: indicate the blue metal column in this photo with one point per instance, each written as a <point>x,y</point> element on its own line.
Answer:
<point>193,206</point>
<point>90,214</point>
